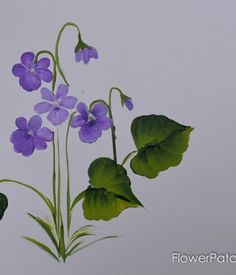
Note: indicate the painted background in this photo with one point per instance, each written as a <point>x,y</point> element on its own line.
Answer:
<point>176,58</point>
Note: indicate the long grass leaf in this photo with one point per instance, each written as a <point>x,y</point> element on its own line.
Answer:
<point>48,228</point>
<point>41,245</point>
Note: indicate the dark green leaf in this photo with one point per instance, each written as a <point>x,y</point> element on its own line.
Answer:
<point>106,173</point>
<point>102,204</point>
<point>3,204</point>
<point>161,143</point>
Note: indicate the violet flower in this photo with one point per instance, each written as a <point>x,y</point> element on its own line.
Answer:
<point>56,105</point>
<point>129,104</point>
<point>91,123</point>
<point>84,52</point>
<point>30,73</point>
<point>30,136</point>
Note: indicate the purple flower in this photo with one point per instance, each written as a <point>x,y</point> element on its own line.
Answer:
<point>91,123</point>
<point>30,136</point>
<point>129,104</point>
<point>31,73</point>
<point>56,105</point>
<point>84,52</point>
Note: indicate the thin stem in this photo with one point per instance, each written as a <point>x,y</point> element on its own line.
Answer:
<point>129,155</point>
<point>54,65</point>
<point>68,24</point>
<point>58,185</point>
<point>68,197</point>
<point>54,174</point>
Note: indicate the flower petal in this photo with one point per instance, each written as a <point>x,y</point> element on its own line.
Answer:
<point>27,58</point>
<point>89,132</point>
<point>24,146</point>
<point>129,104</point>
<point>18,70</point>
<point>68,102</point>
<point>45,74</point>
<point>103,123</point>
<point>46,94</point>
<point>99,110</point>
<point>78,121</point>
<point>30,82</point>
<point>83,109</point>
<point>45,133</point>
<point>57,115</point>
<point>93,52</point>
<point>62,90</point>
<point>39,143</point>
<point>21,123</point>
<point>43,107</point>
<point>35,123</point>
<point>78,56</point>
<point>17,135</point>
<point>85,56</point>
<point>43,63</point>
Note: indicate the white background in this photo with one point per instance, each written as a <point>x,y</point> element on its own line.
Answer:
<point>176,58</point>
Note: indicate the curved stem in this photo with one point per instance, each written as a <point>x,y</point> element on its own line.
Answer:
<point>40,194</point>
<point>68,197</point>
<point>54,174</point>
<point>127,157</point>
<point>54,65</point>
<point>68,24</point>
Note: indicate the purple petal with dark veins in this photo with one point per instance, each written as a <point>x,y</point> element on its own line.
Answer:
<point>30,82</point>
<point>103,123</point>
<point>89,132</point>
<point>43,63</point>
<point>18,70</point>
<point>22,124</point>
<point>83,109</point>
<point>45,133</point>
<point>46,94</point>
<point>43,107</point>
<point>24,146</point>
<point>99,110</point>
<point>35,123</point>
<point>62,90</point>
<point>57,115</point>
<point>27,58</point>
<point>78,121</point>
<point>45,74</point>
<point>39,143</point>
<point>17,135</point>
<point>68,102</point>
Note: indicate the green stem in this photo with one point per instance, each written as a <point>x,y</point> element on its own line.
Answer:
<point>68,197</point>
<point>54,65</point>
<point>128,156</point>
<point>68,24</point>
<point>54,175</point>
<point>113,128</point>
<point>58,185</point>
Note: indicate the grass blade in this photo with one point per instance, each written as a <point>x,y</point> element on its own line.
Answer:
<point>43,246</point>
<point>48,228</point>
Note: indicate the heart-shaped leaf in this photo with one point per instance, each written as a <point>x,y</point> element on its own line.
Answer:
<point>109,192</point>
<point>161,143</point>
<point>3,204</point>
<point>101,204</point>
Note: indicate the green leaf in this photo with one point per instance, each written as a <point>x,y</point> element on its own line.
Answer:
<point>106,173</point>
<point>161,143</point>
<point>93,242</point>
<point>3,204</point>
<point>43,246</point>
<point>102,204</point>
<point>76,200</point>
<point>48,228</point>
